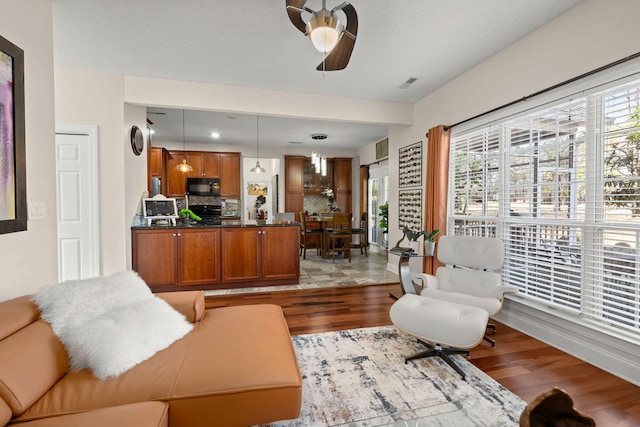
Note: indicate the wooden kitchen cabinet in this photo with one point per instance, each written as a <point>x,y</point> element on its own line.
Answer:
<point>240,254</point>
<point>342,183</point>
<point>176,257</point>
<point>176,184</point>
<point>229,173</point>
<point>315,183</point>
<point>277,241</point>
<point>293,184</point>
<point>180,258</point>
<point>156,166</point>
<point>225,166</point>
<point>260,253</point>
<point>156,161</point>
<point>198,257</point>
<point>301,179</point>
<point>154,256</point>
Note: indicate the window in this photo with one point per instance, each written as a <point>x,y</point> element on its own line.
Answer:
<point>561,186</point>
<point>378,185</point>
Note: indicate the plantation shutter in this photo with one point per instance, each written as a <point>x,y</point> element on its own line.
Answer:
<point>612,277</point>
<point>560,185</point>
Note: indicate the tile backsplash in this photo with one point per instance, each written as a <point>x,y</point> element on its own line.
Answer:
<point>316,203</point>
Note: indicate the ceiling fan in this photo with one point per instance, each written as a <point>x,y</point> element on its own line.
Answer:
<point>327,33</point>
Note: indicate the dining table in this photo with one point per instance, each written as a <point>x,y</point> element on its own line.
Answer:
<point>326,222</point>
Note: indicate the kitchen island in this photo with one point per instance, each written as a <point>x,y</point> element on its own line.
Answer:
<point>236,254</point>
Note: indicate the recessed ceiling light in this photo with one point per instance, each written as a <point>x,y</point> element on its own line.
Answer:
<point>215,135</point>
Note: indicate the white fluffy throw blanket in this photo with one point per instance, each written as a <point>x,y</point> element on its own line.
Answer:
<point>110,324</point>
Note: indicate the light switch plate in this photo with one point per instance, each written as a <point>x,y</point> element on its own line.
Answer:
<point>37,211</point>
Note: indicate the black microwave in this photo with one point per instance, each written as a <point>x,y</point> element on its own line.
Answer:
<point>203,186</point>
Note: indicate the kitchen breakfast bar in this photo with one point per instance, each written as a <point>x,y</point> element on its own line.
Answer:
<point>235,254</point>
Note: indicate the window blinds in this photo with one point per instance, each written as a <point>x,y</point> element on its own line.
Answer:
<point>561,186</point>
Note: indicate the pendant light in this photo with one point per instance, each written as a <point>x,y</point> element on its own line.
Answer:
<point>257,168</point>
<point>318,161</point>
<point>184,166</point>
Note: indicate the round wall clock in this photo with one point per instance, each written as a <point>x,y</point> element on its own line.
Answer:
<point>137,140</point>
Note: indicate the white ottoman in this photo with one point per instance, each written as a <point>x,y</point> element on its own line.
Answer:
<point>440,325</point>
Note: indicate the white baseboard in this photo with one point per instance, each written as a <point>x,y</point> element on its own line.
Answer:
<point>574,336</point>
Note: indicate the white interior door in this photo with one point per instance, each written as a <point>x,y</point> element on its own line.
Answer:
<point>77,202</point>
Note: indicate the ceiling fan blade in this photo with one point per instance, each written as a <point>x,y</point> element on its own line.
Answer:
<point>339,57</point>
<point>294,10</point>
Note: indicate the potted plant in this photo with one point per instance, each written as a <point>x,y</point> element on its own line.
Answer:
<point>187,216</point>
<point>384,221</point>
<point>429,239</point>
<point>430,242</point>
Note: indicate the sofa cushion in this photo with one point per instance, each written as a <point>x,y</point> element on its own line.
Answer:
<point>31,362</point>
<point>145,414</point>
<point>5,413</point>
<point>15,314</point>
<point>189,303</point>
<point>237,367</point>
<point>110,324</point>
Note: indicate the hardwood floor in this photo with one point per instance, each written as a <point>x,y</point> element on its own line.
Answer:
<point>522,364</point>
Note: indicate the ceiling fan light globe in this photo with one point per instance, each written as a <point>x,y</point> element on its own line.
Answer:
<point>324,31</point>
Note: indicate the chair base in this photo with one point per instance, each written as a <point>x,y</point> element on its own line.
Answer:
<point>443,353</point>
<point>493,330</point>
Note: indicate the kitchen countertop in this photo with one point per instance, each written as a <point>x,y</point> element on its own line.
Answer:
<point>140,223</point>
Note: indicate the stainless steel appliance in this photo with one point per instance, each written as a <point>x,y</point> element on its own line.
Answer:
<point>203,186</point>
<point>156,186</point>
<point>210,214</point>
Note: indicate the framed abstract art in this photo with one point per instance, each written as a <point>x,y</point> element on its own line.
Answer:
<point>410,162</point>
<point>13,185</point>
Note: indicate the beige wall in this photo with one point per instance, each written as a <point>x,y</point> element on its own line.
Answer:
<point>84,98</point>
<point>584,38</point>
<point>28,259</point>
<point>593,34</point>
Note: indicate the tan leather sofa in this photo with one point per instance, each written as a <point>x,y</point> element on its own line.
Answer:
<point>236,368</point>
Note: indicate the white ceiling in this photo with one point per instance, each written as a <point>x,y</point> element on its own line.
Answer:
<point>252,43</point>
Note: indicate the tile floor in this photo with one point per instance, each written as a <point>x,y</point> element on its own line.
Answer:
<point>316,272</point>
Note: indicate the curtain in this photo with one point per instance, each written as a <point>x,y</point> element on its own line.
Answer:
<point>364,189</point>
<point>436,188</point>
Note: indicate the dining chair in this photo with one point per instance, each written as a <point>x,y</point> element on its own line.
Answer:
<point>310,234</point>
<point>340,235</point>
<point>363,234</point>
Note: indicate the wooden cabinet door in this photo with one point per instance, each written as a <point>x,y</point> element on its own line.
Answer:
<point>240,254</point>
<point>229,172</point>
<point>342,183</point>
<point>176,180</point>
<point>294,173</point>
<point>293,184</point>
<point>280,252</point>
<point>154,256</point>
<point>156,167</point>
<point>294,202</point>
<point>198,257</point>
<point>156,162</point>
<point>196,160</point>
<point>342,174</point>
<point>210,166</point>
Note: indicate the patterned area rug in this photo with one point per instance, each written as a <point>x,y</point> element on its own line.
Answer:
<point>358,378</point>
